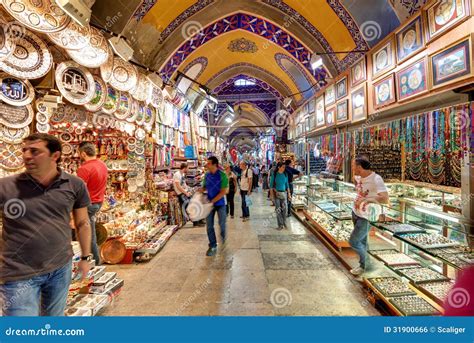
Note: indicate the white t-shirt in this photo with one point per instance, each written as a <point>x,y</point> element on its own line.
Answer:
<point>368,187</point>
<point>180,178</point>
<point>245,179</point>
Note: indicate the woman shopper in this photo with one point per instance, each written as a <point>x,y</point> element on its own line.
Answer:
<point>232,187</point>
<point>280,189</point>
<point>264,173</point>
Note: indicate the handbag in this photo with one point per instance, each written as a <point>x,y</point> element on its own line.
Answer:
<point>248,201</point>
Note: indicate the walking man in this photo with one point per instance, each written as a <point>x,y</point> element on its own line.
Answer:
<point>181,190</point>
<point>293,174</point>
<point>36,206</point>
<point>94,173</point>
<point>280,189</point>
<point>232,187</point>
<point>217,185</point>
<point>246,182</point>
<point>370,189</point>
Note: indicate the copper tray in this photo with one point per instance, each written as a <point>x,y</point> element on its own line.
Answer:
<point>15,91</point>
<point>73,37</point>
<point>11,156</point>
<point>13,136</point>
<point>100,94</point>
<point>7,43</point>
<point>107,68</point>
<point>75,83</point>
<point>16,117</point>
<point>124,75</point>
<point>101,233</point>
<point>113,251</point>
<point>94,54</point>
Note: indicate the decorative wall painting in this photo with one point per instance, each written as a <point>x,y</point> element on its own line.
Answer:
<point>410,39</point>
<point>412,80</point>
<point>444,14</point>
<point>331,117</point>
<point>359,104</point>
<point>320,112</point>
<point>341,88</point>
<point>330,95</point>
<point>359,72</point>
<point>342,111</point>
<point>383,59</point>
<point>384,92</point>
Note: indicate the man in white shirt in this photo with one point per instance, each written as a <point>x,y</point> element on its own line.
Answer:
<point>370,189</point>
<point>181,189</point>
<point>246,180</point>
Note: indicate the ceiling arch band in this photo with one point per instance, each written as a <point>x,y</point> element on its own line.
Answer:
<point>297,74</point>
<point>249,23</point>
<point>258,82</point>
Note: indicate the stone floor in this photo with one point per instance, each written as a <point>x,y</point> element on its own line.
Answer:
<point>260,272</point>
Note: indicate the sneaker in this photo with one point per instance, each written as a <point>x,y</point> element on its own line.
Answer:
<point>357,271</point>
<point>279,228</point>
<point>211,251</point>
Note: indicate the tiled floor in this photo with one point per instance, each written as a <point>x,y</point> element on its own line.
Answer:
<point>260,272</point>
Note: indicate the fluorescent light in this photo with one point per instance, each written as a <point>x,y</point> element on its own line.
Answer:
<point>436,214</point>
<point>316,61</point>
<point>228,120</point>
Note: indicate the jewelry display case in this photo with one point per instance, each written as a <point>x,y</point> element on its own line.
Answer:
<point>300,192</point>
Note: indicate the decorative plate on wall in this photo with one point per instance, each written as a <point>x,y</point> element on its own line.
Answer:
<point>75,82</point>
<point>11,156</point>
<point>139,92</point>
<point>111,100</point>
<point>31,58</point>
<point>133,112</point>
<point>73,37</point>
<point>14,91</point>
<point>59,114</point>
<point>124,75</point>
<point>39,15</point>
<point>149,115</point>
<point>124,106</point>
<point>107,68</point>
<point>99,97</point>
<point>141,114</point>
<point>42,118</point>
<point>13,136</point>
<point>7,43</point>
<point>43,128</point>
<point>94,54</point>
<point>16,117</point>
<point>155,95</point>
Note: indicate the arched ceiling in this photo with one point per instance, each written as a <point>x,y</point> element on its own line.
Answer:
<point>270,41</point>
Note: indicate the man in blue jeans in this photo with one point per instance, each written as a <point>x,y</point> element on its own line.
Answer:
<point>217,185</point>
<point>280,193</point>
<point>36,256</point>
<point>370,190</point>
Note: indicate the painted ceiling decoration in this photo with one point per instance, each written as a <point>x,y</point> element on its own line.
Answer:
<point>243,45</point>
<point>298,75</point>
<point>249,23</point>
<point>406,8</point>
<point>203,61</point>
<point>193,70</point>
<point>240,66</point>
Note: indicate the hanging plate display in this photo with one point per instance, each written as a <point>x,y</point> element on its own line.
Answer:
<point>102,119</point>
<point>67,149</point>
<point>15,92</point>
<point>124,106</point>
<point>139,92</point>
<point>11,156</point>
<point>42,118</point>
<point>73,37</point>
<point>140,134</point>
<point>16,117</point>
<point>111,100</point>
<point>13,136</point>
<point>7,42</point>
<point>65,137</point>
<point>149,115</point>
<point>140,119</point>
<point>107,68</point>
<point>31,58</point>
<point>134,109</point>
<point>75,82</point>
<point>59,114</point>
<point>155,95</point>
<point>39,15</point>
<point>81,115</point>
<point>41,106</point>
<point>124,75</point>
<point>43,128</point>
<point>100,94</point>
<point>94,54</point>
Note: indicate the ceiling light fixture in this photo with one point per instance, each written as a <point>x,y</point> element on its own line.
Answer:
<point>228,120</point>
<point>121,48</point>
<point>76,9</point>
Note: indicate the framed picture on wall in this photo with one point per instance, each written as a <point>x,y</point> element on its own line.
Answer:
<point>359,72</point>
<point>312,106</point>
<point>383,59</point>
<point>410,39</point>
<point>342,111</point>
<point>384,92</point>
<point>359,104</point>
<point>331,117</point>
<point>444,14</point>
<point>341,88</point>
<point>330,95</point>
<point>412,80</point>
<point>452,64</point>
<point>320,121</point>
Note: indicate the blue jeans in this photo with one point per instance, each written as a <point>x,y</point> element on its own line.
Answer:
<point>245,208</point>
<point>280,208</point>
<point>45,294</point>
<point>359,238</point>
<point>92,211</point>
<point>211,234</point>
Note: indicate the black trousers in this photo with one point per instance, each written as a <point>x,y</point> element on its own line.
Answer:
<point>289,201</point>
<point>230,203</point>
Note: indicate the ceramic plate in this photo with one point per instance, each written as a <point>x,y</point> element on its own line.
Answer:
<point>41,106</point>
<point>39,15</point>
<point>15,92</point>
<point>42,118</point>
<point>59,114</point>
<point>124,75</point>
<point>7,42</point>
<point>67,149</point>
<point>73,37</point>
<point>94,54</point>
<point>31,58</point>
<point>124,106</point>
<point>140,91</point>
<point>65,137</point>
<point>107,68</point>
<point>155,95</point>
<point>99,97</point>
<point>134,109</point>
<point>149,115</point>
<point>16,117</point>
<point>11,156</point>
<point>140,134</point>
<point>13,136</point>
<point>43,128</point>
<point>111,100</point>
<point>140,119</point>
<point>75,83</point>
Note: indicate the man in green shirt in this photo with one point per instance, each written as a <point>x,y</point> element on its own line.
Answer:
<point>280,193</point>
